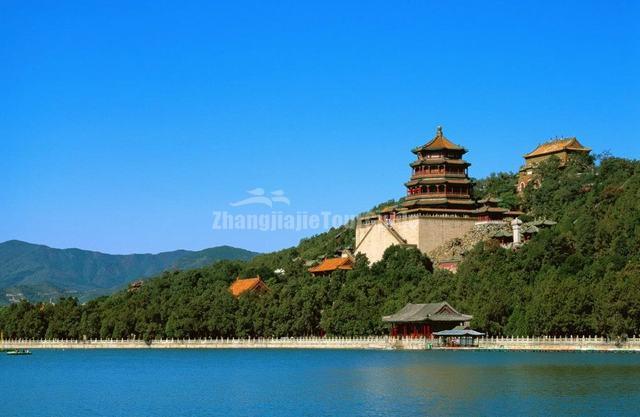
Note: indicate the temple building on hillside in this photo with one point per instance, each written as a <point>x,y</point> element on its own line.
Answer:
<point>440,182</point>
<point>561,148</point>
<point>438,205</point>
<point>489,210</point>
<point>244,285</point>
<point>422,320</point>
<point>329,265</point>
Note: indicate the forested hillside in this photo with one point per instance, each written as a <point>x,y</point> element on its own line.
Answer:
<point>41,273</point>
<point>581,277</point>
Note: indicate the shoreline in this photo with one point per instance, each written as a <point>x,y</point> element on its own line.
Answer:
<point>542,344</point>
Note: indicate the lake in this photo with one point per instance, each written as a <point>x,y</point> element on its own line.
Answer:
<point>317,383</point>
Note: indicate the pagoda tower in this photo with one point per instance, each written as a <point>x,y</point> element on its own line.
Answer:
<point>438,206</point>
<point>440,181</point>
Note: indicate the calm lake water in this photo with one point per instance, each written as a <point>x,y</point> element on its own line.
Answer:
<point>317,383</point>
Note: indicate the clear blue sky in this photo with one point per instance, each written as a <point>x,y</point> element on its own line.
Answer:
<point>123,128</point>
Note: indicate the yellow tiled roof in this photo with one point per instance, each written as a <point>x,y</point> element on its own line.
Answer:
<point>559,145</point>
<point>441,142</point>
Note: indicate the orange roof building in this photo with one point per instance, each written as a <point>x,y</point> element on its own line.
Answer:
<point>561,148</point>
<point>330,265</point>
<point>243,285</point>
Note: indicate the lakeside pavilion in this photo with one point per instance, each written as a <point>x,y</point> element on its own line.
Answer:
<point>422,320</point>
<point>460,336</point>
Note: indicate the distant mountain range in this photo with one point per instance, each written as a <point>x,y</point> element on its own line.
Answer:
<point>38,272</point>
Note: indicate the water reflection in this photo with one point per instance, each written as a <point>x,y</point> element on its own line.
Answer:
<point>499,383</point>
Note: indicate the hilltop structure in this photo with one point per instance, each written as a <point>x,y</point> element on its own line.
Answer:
<point>438,206</point>
<point>561,148</point>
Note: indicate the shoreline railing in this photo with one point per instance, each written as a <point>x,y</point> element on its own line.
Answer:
<point>330,342</point>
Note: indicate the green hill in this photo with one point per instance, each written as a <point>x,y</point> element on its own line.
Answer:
<point>38,272</point>
<point>581,277</point>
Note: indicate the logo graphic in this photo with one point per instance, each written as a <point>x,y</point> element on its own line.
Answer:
<point>275,219</point>
<point>258,197</point>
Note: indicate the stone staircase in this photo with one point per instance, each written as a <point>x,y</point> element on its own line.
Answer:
<point>396,235</point>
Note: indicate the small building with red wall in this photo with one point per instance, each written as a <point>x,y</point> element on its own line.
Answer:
<point>450,265</point>
<point>422,320</point>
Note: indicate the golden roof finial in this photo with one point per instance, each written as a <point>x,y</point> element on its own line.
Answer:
<point>439,133</point>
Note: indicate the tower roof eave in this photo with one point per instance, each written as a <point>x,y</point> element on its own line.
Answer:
<point>438,161</point>
<point>441,180</point>
<point>420,200</point>
<point>439,142</point>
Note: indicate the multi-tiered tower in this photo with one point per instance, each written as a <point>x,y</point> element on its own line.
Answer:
<point>438,206</point>
<point>440,182</point>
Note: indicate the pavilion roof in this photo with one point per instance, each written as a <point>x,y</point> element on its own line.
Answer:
<point>543,223</point>
<point>490,200</point>
<point>502,233</point>
<point>458,333</point>
<point>558,145</point>
<point>332,264</point>
<point>491,209</point>
<point>242,285</point>
<point>388,209</point>
<point>439,142</point>
<point>427,312</point>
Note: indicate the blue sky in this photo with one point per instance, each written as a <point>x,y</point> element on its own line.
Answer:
<point>124,127</point>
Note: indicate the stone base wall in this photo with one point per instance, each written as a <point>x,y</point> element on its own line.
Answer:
<point>436,231</point>
<point>372,240</point>
<point>426,233</point>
